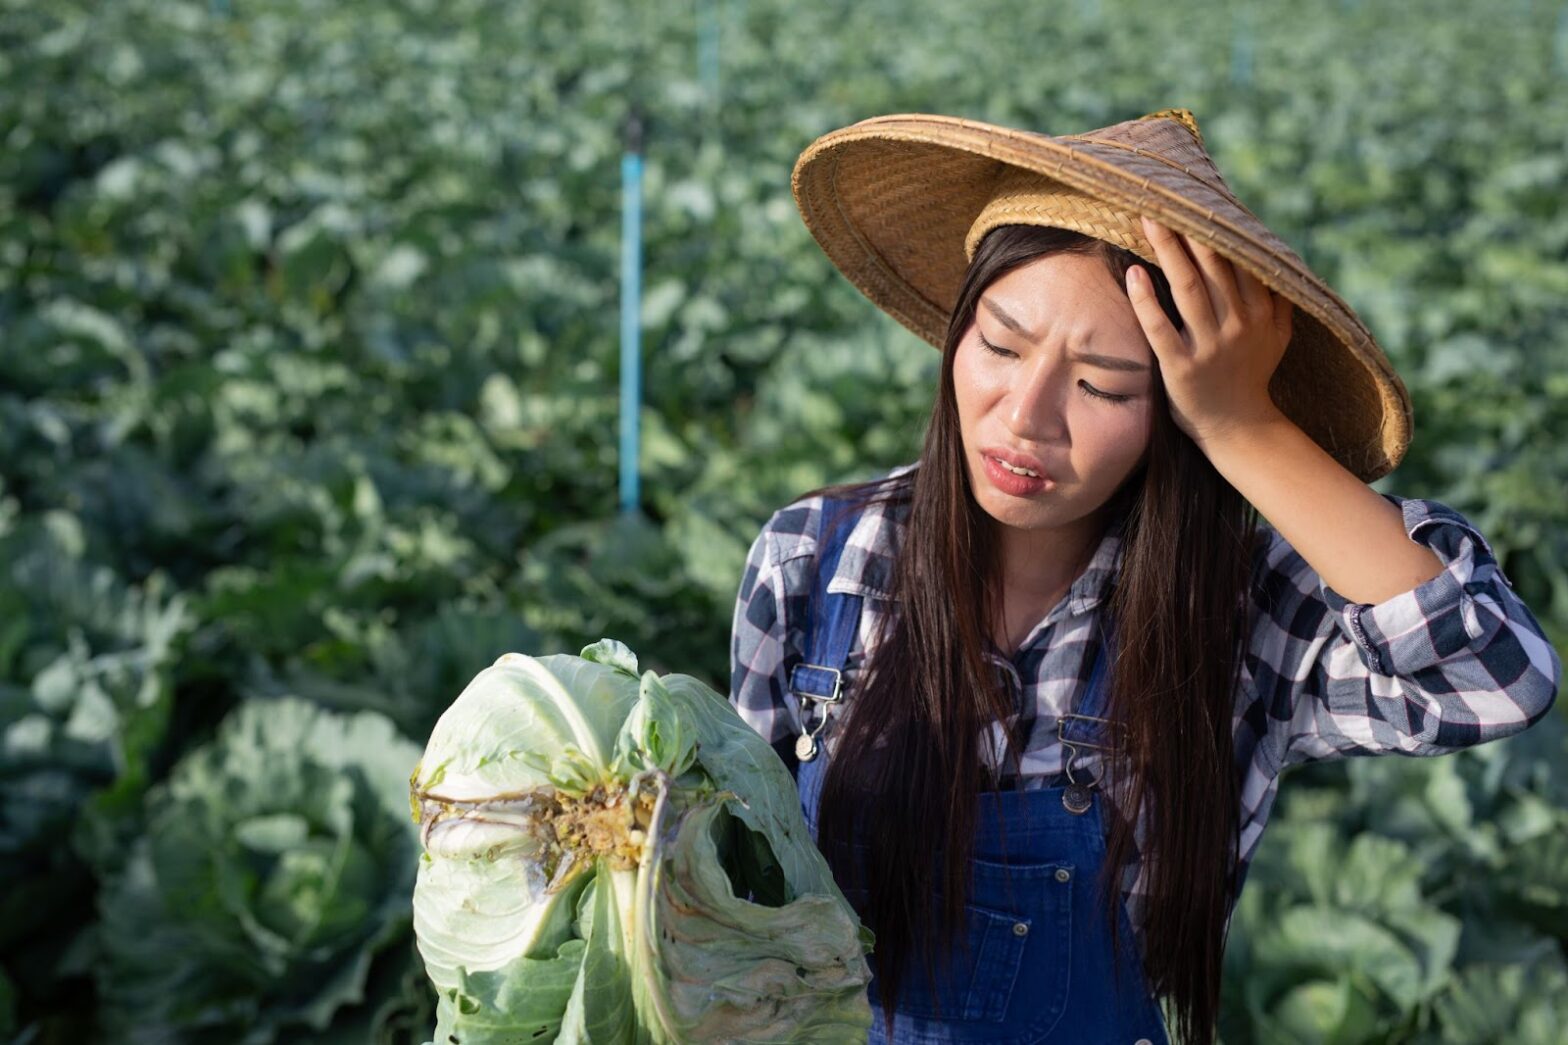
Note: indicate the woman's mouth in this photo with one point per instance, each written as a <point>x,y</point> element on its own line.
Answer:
<point>1015,479</point>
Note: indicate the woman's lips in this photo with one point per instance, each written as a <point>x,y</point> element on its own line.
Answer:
<point>1013,483</point>
<point>1007,455</point>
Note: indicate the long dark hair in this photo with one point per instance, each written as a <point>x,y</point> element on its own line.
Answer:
<point>926,692</point>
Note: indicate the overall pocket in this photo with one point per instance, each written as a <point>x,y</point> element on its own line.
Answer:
<point>975,984</point>
<point>1018,921</point>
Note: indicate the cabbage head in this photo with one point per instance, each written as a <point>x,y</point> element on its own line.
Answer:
<point>273,873</point>
<point>612,858</point>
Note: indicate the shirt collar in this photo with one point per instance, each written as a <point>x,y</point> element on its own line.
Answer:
<point>866,566</point>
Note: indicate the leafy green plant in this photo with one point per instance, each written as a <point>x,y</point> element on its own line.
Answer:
<point>1390,890</point>
<point>276,866</point>
<point>308,353</point>
<point>93,661</point>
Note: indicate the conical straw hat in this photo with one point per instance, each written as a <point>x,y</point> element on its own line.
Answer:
<point>899,203</point>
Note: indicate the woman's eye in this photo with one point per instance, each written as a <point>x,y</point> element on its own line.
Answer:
<point>990,347</point>
<point>1087,389</point>
<point>1094,393</point>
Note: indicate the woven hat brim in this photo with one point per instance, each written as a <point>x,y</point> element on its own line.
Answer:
<point>890,200</point>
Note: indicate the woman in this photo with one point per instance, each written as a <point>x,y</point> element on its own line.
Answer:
<point>1039,686</point>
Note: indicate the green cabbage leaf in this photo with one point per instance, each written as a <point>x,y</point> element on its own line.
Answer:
<point>617,857</point>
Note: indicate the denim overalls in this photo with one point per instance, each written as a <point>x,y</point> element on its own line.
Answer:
<point>1038,966</point>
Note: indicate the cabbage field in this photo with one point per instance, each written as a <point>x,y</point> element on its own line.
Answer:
<point>308,356</point>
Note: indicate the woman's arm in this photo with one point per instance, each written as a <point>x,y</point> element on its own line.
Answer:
<point>1348,533</point>
<point>1454,661</point>
<point>1441,653</point>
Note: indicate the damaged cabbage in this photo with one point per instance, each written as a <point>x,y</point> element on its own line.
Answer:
<point>611,857</point>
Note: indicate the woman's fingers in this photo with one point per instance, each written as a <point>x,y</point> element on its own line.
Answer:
<point>1188,284</point>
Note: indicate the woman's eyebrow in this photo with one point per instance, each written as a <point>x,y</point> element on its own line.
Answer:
<point>1091,358</point>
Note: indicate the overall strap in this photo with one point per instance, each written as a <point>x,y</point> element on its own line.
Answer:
<point>829,628</point>
<point>1086,728</point>
<point>831,617</point>
<point>1085,722</point>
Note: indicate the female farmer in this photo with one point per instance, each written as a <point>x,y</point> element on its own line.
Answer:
<point>1039,686</point>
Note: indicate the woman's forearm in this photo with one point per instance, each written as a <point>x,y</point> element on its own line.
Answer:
<point>1345,530</point>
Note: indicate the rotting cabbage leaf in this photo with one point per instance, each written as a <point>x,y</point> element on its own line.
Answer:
<point>615,858</point>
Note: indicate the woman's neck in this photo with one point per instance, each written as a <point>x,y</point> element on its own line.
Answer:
<point>1038,568</point>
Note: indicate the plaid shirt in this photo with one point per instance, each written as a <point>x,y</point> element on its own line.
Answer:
<point>1457,661</point>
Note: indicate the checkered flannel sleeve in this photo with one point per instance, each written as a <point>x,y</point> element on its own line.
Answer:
<point>758,638</point>
<point>1457,661</point>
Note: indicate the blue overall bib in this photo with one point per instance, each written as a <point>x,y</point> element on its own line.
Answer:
<point>1038,966</point>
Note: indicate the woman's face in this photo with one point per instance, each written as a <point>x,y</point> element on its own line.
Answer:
<point>1061,333</point>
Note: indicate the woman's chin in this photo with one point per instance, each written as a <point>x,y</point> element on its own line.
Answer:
<point>1010,511</point>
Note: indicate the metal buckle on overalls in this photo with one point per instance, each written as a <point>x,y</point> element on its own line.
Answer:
<point>1078,797</point>
<point>838,684</point>
<point>806,744</point>
<point>1061,726</point>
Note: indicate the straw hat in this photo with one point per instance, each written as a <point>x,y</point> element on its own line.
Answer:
<point>900,202</point>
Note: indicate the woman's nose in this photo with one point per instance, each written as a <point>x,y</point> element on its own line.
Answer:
<point>1036,403</point>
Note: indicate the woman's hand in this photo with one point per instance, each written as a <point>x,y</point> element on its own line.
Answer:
<point>1216,375</point>
<point>1216,371</point>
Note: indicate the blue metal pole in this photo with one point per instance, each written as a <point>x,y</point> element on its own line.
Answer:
<point>708,48</point>
<point>1241,50</point>
<point>1562,42</point>
<point>631,310</point>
